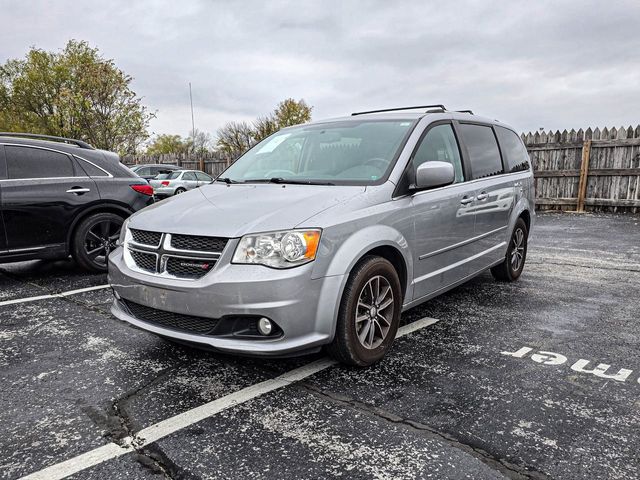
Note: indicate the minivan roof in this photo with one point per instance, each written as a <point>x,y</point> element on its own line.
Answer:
<point>414,116</point>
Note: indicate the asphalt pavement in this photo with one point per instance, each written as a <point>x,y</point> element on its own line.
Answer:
<point>535,379</point>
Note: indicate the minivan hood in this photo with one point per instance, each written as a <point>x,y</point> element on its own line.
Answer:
<point>235,210</point>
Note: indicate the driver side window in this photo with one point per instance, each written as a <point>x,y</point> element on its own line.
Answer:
<point>439,144</point>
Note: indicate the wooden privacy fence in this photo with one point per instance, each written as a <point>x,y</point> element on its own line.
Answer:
<point>212,163</point>
<point>586,170</point>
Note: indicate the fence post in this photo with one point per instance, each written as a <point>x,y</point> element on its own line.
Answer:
<point>584,175</point>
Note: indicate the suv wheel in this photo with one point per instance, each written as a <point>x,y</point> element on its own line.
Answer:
<point>511,268</point>
<point>369,313</point>
<point>94,238</point>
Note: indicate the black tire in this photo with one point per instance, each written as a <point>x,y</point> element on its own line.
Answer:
<point>346,346</point>
<point>94,238</point>
<point>179,190</point>
<point>511,268</point>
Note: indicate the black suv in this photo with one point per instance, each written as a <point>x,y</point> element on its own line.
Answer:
<point>61,197</point>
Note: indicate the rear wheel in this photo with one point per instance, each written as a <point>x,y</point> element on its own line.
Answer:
<point>179,191</point>
<point>94,238</point>
<point>511,268</point>
<point>369,313</point>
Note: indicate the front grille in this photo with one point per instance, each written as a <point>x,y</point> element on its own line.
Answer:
<point>174,321</point>
<point>146,238</point>
<point>143,260</point>
<point>188,267</point>
<point>187,257</point>
<point>196,242</point>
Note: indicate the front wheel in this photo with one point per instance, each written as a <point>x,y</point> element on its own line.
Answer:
<point>511,268</point>
<point>94,238</point>
<point>369,313</point>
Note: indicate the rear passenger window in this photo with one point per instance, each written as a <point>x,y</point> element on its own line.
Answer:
<point>26,162</point>
<point>439,144</point>
<point>514,150</point>
<point>483,150</point>
<point>189,176</point>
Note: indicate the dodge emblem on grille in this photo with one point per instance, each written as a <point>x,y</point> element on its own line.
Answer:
<point>204,266</point>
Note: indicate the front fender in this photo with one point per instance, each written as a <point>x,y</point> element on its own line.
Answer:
<point>338,255</point>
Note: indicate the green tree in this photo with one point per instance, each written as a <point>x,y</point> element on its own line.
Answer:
<point>74,93</point>
<point>289,112</point>
<point>166,143</point>
<point>263,127</point>
<point>235,138</point>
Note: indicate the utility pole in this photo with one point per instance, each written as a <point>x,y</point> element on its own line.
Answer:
<point>193,129</point>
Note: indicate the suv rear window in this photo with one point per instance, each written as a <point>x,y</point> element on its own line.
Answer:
<point>27,162</point>
<point>483,150</point>
<point>91,169</point>
<point>514,150</point>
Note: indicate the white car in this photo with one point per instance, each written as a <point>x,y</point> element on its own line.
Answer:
<point>178,181</point>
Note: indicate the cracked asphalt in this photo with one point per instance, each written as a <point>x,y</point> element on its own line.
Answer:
<point>492,390</point>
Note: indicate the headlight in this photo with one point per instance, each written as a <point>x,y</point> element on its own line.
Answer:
<point>278,249</point>
<point>123,232</point>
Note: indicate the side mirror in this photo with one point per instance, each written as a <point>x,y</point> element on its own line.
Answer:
<point>434,174</point>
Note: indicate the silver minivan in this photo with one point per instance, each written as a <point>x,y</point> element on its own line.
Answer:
<point>323,233</point>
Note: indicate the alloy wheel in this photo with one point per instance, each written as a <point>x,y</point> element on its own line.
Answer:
<point>101,238</point>
<point>374,312</point>
<point>517,249</point>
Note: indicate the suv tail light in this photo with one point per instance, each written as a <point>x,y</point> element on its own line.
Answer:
<point>143,189</point>
<point>165,183</point>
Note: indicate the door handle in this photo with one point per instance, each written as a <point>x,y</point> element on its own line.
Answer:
<point>78,190</point>
<point>466,200</point>
<point>482,196</point>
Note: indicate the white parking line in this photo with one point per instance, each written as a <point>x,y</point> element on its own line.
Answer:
<point>53,295</point>
<point>171,425</point>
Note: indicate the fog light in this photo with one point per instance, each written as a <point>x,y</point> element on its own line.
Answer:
<point>265,326</point>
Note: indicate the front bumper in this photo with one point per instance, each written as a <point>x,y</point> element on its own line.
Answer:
<point>304,308</point>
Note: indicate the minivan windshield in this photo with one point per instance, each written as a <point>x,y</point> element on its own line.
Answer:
<point>334,153</point>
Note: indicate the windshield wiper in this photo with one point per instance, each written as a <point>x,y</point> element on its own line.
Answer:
<point>227,180</point>
<point>292,181</point>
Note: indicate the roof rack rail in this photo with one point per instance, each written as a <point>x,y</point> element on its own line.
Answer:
<point>39,136</point>
<point>442,107</point>
<point>465,111</point>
